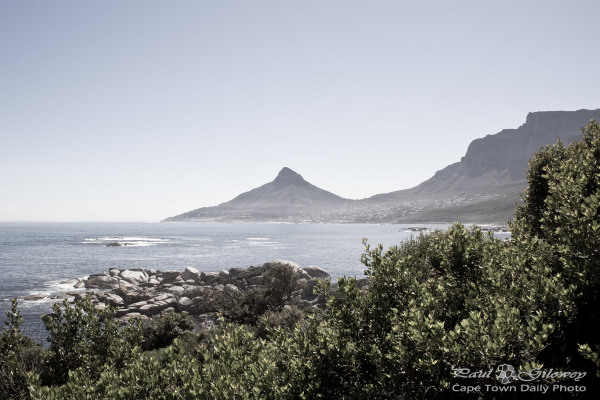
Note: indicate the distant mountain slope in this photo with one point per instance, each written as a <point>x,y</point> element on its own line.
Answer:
<point>500,160</point>
<point>496,210</point>
<point>289,195</point>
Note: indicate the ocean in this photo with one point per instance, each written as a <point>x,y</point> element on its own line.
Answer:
<point>36,257</point>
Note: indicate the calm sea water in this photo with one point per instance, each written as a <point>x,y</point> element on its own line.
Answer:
<point>36,257</point>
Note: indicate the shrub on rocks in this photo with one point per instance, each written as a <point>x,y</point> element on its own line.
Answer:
<point>280,282</point>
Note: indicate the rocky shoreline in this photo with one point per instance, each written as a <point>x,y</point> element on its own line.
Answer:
<point>146,293</point>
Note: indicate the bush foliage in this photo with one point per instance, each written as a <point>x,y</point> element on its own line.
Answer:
<point>447,299</point>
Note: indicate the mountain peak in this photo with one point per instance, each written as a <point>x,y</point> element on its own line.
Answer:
<point>287,177</point>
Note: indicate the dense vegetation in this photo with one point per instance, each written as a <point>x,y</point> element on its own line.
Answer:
<point>448,299</point>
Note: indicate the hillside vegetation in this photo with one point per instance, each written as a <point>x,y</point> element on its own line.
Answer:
<point>450,299</point>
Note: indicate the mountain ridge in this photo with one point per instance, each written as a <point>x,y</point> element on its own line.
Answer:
<point>491,173</point>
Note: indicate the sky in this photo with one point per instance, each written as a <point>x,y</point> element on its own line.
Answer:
<point>122,110</point>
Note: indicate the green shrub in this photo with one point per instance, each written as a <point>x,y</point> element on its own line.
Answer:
<point>281,281</point>
<point>561,207</point>
<point>82,336</point>
<point>450,298</point>
<point>248,307</point>
<point>19,356</point>
<point>286,319</point>
<point>161,332</point>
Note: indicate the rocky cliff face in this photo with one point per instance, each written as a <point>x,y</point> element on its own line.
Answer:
<point>511,149</point>
<point>500,160</point>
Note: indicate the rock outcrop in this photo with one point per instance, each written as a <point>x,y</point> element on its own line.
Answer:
<point>145,293</point>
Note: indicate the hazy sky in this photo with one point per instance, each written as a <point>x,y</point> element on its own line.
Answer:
<point>140,110</point>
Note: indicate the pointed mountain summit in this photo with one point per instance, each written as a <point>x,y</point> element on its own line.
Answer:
<point>287,198</point>
<point>287,177</point>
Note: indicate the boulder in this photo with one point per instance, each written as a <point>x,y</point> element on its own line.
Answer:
<point>188,287</point>
<point>113,299</point>
<point>191,273</point>
<point>171,301</point>
<point>235,272</point>
<point>185,304</point>
<point>101,281</point>
<point>138,304</point>
<point>121,312</point>
<point>155,306</point>
<point>35,297</point>
<point>125,287</point>
<point>224,276</point>
<point>125,318</point>
<point>176,290</point>
<point>168,310</point>
<point>61,296</point>
<point>149,310</point>
<point>169,276</point>
<point>152,282</point>
<point>114,272</point>
<point>178,281</point>
<point>135,277</point>
<point>161,297</point>
<point>209,277</point>
<point>199,291</point>
<point>232,290</point>
<point>219,288</point>
<point>316,272</point>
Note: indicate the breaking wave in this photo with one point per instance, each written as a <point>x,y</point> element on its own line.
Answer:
<point>118,241</point>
